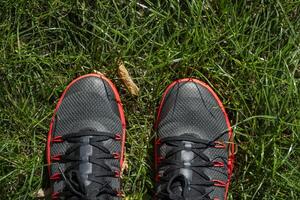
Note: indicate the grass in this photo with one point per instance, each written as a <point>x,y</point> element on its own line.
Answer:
<point>248,51</point>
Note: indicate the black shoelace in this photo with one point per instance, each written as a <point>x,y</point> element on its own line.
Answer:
<point>171,177</point>
<point>75,188</point>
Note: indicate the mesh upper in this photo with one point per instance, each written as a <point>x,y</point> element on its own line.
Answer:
<point>189,107</point>
<point>88,103</point>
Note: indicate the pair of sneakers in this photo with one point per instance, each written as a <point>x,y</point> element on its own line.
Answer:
<point>85,146</point>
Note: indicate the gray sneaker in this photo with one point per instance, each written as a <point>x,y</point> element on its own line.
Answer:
<point>194,146</point>
<point>85,144</point>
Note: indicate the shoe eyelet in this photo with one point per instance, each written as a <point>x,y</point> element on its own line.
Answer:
<point>56,157</point>
<point>159,159</point>
<point>120,194</point>
<point>57,139</point>
<point>116,155</point>
<point>219,145</point>
<point>158,141</point>
<point>117,174</point>
<point>157,177</point>
<point>55,177</point>
<point>55,195</point>
<point>118,137</point>
<point>218,164</point>
<point>219,183</point>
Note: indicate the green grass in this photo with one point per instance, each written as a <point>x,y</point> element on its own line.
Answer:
<point>248,51</point>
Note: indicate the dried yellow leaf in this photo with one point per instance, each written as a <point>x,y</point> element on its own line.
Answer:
<point>97,72</point>
<point>127,80</point>
<point>42,193</point>
<point>125,165</point>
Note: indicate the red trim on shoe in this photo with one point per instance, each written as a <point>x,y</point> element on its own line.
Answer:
<point>55,177</point>
<point>219,183</point>
<point>120,107</point>
<point>55,195</point>
<point>231,145</point>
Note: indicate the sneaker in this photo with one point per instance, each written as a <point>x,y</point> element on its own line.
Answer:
<point>85,144</point>
<point>194,146</point>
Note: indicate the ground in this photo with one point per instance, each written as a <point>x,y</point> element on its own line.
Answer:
<point>248,51</point>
